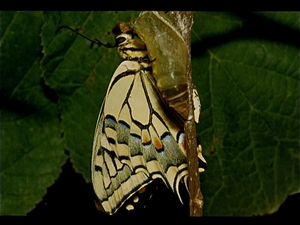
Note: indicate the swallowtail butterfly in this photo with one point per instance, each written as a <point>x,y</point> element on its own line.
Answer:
<point>139,134</point>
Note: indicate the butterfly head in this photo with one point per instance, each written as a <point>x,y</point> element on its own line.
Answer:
<point>129,48</point>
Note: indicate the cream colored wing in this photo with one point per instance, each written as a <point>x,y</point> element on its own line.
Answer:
<point>135,140</point>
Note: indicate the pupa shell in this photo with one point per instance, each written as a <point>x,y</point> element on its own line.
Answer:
<point>168,52</point>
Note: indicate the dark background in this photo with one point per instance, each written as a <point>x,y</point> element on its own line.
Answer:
<point>70,195</point>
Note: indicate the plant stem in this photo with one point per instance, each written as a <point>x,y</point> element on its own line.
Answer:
<point>184,21</point>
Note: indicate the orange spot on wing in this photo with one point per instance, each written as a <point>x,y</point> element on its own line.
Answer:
<point>183,145</point>
<point>146,138</point>
<point>157,143</point>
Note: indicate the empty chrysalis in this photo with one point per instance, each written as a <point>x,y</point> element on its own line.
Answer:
<point>168,51</point>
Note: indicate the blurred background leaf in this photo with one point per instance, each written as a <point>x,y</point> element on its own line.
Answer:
<point>79,75</point>
<point>31,146</point>
<point>245,67</point>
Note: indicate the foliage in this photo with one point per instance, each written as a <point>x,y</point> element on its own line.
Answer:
<point>245,67</point>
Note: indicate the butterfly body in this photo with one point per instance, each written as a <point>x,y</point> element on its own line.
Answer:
<point>137,137</point>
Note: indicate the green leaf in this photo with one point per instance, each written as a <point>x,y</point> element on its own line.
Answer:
<point>31,146</point>
<point>247,76</point>
<point>249,87</point>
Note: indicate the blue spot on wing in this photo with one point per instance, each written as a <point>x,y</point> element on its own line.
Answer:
<point>136,137</point>
<point>134,145</point>
<point>124,125</point>
<point>168,142</point>
<point>110,121</point>
<point>167,137</point>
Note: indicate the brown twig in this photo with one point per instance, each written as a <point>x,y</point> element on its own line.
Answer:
<point>184,21</point>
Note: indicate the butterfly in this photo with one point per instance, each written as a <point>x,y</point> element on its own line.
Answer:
<point>138,137</point>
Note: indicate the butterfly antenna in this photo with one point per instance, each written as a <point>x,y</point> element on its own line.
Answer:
<point>95,41</point>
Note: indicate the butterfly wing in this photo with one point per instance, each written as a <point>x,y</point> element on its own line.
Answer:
<point>135,140</point>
